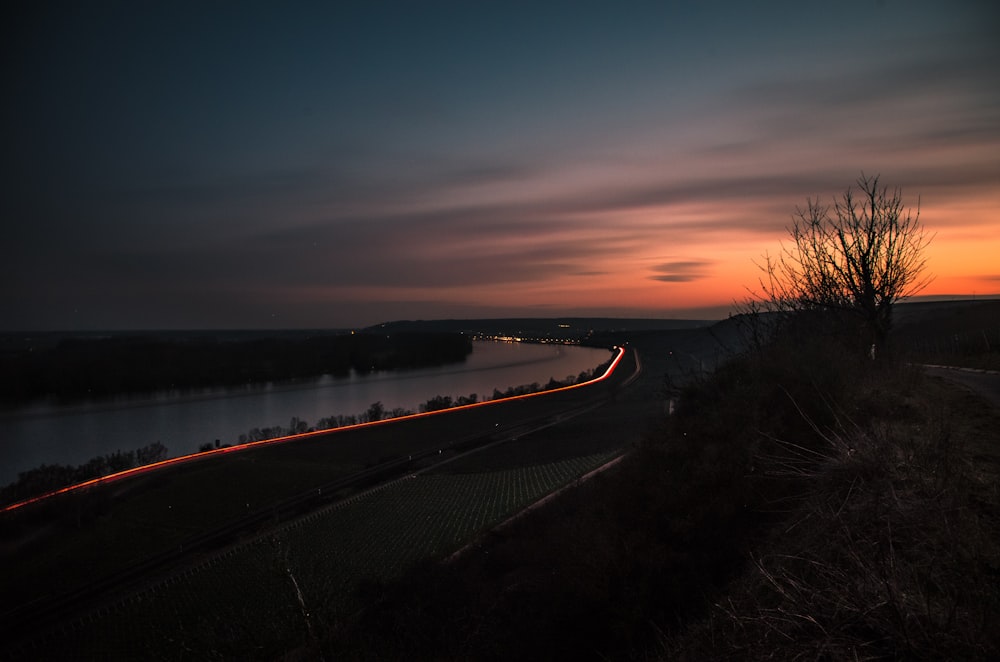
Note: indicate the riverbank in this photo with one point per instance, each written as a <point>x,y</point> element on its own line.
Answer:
<point>47,479</point>
<point>184,422</point>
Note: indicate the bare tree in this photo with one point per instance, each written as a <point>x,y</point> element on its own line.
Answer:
<point>861,259</point>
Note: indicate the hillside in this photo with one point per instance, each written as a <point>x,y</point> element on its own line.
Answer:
<point>800,504</point>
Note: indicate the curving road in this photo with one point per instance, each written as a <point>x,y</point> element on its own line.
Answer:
<point>983,382</point>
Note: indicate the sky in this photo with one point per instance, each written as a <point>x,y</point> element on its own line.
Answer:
<point>338,164</point>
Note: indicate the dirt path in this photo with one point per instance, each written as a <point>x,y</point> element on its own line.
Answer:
<point>985,383</point>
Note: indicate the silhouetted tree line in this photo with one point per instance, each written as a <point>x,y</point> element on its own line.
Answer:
<point>48,477</point>
<point>78,368</point>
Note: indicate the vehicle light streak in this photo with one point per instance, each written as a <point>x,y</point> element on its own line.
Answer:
<point>121,475</point>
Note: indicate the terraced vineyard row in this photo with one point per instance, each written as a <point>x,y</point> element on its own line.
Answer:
<point>251,594</point>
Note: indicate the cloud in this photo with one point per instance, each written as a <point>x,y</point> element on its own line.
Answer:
<point>681,271</point>
<point>909,114</point>
<point>904,74</point>
<point>675,278</point>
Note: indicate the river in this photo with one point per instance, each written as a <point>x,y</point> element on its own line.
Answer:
<point>45,433</point>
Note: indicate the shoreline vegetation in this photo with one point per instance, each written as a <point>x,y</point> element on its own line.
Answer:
<point>74,369</point>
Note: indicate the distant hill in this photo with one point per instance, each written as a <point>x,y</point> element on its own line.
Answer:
<point>962,333</point>
<point>563,328</point>
<point>940,317</point>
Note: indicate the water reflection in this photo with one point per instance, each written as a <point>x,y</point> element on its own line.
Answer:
<point>184,420</point>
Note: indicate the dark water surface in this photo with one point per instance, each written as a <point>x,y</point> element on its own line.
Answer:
<point>52,434</point>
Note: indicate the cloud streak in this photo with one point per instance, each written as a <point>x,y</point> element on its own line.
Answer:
<point>683,271</point>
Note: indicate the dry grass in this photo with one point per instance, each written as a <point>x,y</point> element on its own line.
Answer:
<point>892,554</point>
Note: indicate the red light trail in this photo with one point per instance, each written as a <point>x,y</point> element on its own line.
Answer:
<point>121,475</point>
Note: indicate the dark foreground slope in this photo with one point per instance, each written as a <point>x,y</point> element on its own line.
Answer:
<point>800,504</point>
